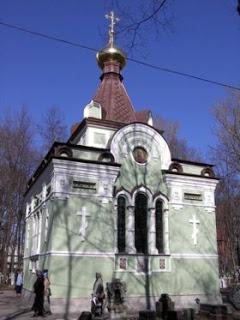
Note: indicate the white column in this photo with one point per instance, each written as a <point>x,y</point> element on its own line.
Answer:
<point>44,192</point>
<point>165,231</point>
<point>33,246</point>
<point>27,209</point>
<point>130,230</point>
<point>39,231</point>
<point>46,223</point>
<point>152,231</point>
<point>27,234</point>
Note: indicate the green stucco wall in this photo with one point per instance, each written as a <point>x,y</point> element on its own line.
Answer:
<point>134,175</point>
<point>72,263</point>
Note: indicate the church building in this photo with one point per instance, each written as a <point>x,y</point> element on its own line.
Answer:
<point>112,200</point>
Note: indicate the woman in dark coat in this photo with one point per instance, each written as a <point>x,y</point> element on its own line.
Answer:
<point>38,289</point>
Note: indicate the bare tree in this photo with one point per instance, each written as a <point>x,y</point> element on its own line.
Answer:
<point>227,156</point>
<point>141,20</point>
<point>178,147</point>
<point>17,156</point>
<point>52,128</point>
<point>227,115</point>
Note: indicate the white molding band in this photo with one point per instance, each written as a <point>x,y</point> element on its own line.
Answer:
<point>194,256</point>
<point>136,134</point>
<point>112,254</point>
<point>76,168</point>
<point>190,181</point>
<point>191,204</point>
<point>76,254</point>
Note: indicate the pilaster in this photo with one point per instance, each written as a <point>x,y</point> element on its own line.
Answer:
<point>130,232</point>
<point>152,232</point>
<point>166,232</point>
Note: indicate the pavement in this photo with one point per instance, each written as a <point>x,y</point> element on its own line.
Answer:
<point>13,307</point>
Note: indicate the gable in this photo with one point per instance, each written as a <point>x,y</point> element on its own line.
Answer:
<point>143,154</point>
<point>135,135</point>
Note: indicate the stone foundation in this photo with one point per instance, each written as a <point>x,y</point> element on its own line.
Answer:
<point>134,304</point>
<point>180,301</point>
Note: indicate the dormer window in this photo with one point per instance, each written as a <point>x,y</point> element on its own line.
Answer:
<point>208,172</point>
<point>93,110</point>
<point>176,167</point>
<point>63,151</point>
<point>106,157</point>
<point>63,154</point>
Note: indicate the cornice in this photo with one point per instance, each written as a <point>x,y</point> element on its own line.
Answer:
<point>196,163</point>
<point>83,165</point>
<point>178,176</point>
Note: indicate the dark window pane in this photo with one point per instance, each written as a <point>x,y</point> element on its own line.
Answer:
<point>159,226</point>
<point>141,224</point>
<point>121,224</point>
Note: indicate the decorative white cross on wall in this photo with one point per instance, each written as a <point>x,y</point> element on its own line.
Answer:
<point>84,224</point>
<point>195,222</point>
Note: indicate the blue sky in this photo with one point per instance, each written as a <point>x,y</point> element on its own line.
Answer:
<point>40,73</point>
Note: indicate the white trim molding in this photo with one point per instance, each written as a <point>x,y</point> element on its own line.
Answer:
<point>65,172</point>
<point>138,134</point>
<point>75,254</point>
<point>177,184</point>
<point>194,256</point>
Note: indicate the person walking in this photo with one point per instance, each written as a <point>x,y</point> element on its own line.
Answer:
<point>98,296</point>
<point>47,293</point>
<point>38,289</point>
<point>18,283</point>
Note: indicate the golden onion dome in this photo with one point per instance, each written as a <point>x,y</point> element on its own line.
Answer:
<point>111,53</point>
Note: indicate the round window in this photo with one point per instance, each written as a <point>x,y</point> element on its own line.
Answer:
<point>140,155</point>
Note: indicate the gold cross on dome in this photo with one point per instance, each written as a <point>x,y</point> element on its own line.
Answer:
<point>113,21</point>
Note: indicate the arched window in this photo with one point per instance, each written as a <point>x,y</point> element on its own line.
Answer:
<point>121,225</point>
<point>141,239</point>
<point>159,225</point>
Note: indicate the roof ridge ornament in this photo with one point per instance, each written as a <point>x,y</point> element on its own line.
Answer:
<point>113,20</point>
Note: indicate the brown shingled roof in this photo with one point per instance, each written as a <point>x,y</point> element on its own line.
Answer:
<point>112,96</point>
